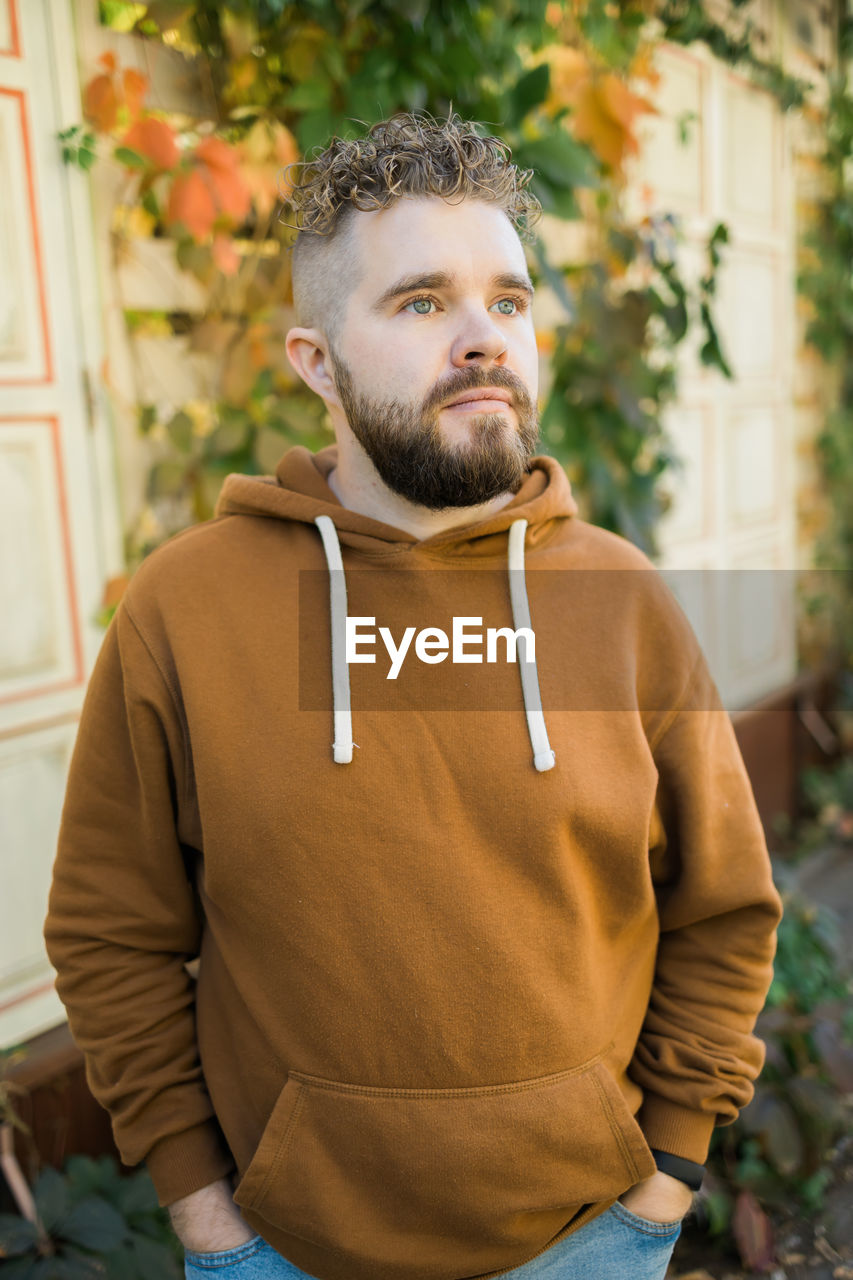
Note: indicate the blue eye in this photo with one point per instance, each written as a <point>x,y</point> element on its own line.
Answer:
<point>415,301</point>
<point>421,306</point>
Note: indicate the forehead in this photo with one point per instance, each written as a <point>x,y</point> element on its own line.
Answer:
<point>470,239</point>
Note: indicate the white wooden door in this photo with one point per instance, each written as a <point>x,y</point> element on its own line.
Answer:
<point>58,528</point>
<point>729,541</point>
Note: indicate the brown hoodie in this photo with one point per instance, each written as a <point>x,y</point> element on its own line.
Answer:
<point>451,992</point>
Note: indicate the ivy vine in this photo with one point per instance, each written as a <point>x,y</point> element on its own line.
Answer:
<point>282,78</point>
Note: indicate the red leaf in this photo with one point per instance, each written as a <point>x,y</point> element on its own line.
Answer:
<point>155,140</point>
<point>100,103</point>
<point>222,163</point>
<point>191,203</point>
<point>135,86</point>
<point>108,60</point>
<point>231,195</point>
<point>217,154</point>
<point>753,1233</point>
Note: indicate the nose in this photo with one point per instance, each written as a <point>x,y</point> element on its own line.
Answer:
<point>479,339</point>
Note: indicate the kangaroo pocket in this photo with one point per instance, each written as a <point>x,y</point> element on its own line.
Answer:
<point>442,1183</point>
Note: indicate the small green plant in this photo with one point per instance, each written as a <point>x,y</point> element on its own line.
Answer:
<point>829,794</point>
<point>91,1222</point>
<point>777,1147</point>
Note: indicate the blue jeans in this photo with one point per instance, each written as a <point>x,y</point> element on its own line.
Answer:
<point>614,1245</point>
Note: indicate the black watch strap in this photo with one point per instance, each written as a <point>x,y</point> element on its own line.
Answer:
<point>677,1167</point>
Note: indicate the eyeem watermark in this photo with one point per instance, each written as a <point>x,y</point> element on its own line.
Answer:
<point>432,645</point>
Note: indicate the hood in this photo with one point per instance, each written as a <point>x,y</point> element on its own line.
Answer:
<point>299,491</point>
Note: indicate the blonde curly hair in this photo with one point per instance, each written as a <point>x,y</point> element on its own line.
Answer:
<point>409,154</point>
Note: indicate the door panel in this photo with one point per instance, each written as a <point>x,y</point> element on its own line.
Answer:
<point>53,555</point>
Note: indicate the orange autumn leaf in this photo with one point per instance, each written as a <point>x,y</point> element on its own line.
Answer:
<point>100,103</point>
<point>265,150</point>
<point>192,204</point>
<point>107,98</point>
<point>570,71</point>
<point>643,68</point>
<point>213,191</point>
<point>155,140</point>
<point>135,86</point>
<point>623,104</point>
<point>217,154</point>
<point>225,256</point>
<point>257,350</point>
<point>604,116</point>
<point>222,165</point>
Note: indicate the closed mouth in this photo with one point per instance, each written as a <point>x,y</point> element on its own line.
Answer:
<point>481,393</point>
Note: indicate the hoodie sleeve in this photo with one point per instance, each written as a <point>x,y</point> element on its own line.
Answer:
<point>122,920</point>
<point>696,1058</point>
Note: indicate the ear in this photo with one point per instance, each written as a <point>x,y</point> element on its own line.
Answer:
<point>308,352</point>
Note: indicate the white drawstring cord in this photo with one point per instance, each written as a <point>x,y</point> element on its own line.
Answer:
<point>543,757</point>
<point>343,744</point>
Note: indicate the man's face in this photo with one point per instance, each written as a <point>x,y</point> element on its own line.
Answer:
<point>442,309</point>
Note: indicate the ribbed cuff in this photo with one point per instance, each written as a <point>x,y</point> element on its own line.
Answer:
<point>680,1130</point>
<point>184,1162</point>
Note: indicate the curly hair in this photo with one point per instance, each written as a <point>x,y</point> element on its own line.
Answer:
<point>409,154</point>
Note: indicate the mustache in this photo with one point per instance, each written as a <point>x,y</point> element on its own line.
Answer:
<point>472,378</point>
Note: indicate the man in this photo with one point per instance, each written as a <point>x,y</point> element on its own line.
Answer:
<point>475,987</point>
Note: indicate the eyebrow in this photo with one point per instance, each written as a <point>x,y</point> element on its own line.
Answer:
<point>445,280</point>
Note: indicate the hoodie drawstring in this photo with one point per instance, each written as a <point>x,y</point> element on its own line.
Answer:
<point>343,744</point>
<point>543,756</point>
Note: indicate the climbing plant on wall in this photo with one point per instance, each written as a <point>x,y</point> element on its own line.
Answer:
<point>826,286</point>
<point>565,84</point>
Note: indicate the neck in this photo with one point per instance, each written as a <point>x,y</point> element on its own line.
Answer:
<point>357,485</point>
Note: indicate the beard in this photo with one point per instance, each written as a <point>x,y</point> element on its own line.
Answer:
<point>406,445</point>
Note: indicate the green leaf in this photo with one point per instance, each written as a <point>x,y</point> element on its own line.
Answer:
<point>19,1269</point>
<point>559,159</point>
<point>167,479</point>
<point>83,1174</point>
<point>136,1195</point>
<point>69,1266</point>
<point>149,204</point>
<point>560,203</point>
<point>227,437</point>
<point>180,429</point>
<point>314,129</point>
<point>195,258</point>
<point>529,91</point>
<point>153,1258</point>
<point>311,95</point>
<point>94,1224</point>
<point>129,158</point>
<point>50,1193</point>
<point>146,417</point>
<point>555,278</point>
<point>120,15</point>
<point>17,1235</point>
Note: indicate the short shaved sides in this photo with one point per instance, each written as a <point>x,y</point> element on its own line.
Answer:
<point>409,154</point>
